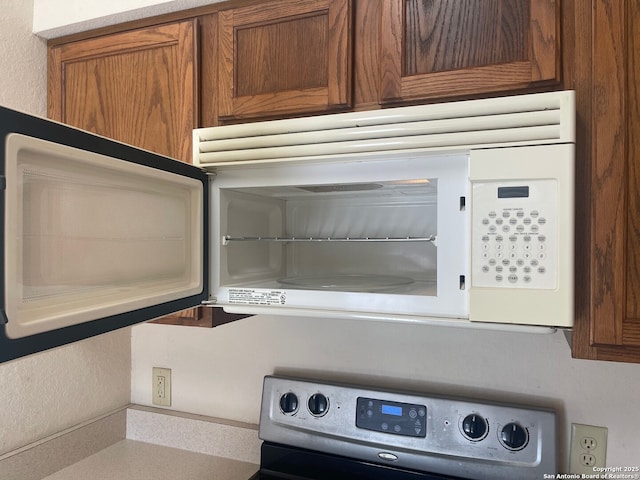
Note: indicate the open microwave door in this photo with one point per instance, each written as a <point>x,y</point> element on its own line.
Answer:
<point>97,235</point>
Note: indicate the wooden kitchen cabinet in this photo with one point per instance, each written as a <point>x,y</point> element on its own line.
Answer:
<point>603,66</point>
<point>434,49</point>
<point>138,87</point>
<point>284,57</point>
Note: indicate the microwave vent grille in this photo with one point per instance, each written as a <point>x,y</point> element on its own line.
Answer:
<point>543,118</point>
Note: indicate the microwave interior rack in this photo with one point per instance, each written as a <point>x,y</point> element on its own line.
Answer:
<point>228,239</point>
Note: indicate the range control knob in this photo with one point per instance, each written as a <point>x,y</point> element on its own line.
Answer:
<point>475,427</point>
<point>318,404</point>
<point>514,436</point>
<point>289,402</point>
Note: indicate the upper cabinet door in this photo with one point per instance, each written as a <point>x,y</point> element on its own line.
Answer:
<point>138,87</point>
<point>284,57</point>
<point>446,48</point>
<point>605,68</point>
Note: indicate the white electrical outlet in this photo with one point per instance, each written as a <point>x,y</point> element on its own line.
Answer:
<point>588,448</point>
<point>161,386</point>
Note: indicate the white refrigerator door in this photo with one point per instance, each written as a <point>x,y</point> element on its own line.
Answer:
<point>97,235</point>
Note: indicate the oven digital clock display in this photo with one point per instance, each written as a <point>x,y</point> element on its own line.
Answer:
<point>397,418</point>
<point>391,410</point>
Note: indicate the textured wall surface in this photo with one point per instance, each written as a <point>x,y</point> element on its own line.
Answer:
<point>23,60</point>
<point>218,372</point>
<point>48,392</point>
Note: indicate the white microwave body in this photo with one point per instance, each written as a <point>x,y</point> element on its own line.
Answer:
<point>472,235</point>
<point>450,214</point>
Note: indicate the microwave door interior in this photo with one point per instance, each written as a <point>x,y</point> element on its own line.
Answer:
<point>97,235</point>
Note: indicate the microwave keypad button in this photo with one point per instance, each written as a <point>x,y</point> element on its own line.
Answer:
<point>534,213</point>
<point>520,214</point>
<point>499,268</point>
<point>542,270</point>
<point>542,238</point>
<point>485,221</point>
<point>499,221</point>
<point>542,221</point>
<point>492,214</point>
<point>513,278</point>
<point>513,221</point>
<point>499,238</point>
<point>498,278</point>
<point>527,279</point>
<point>506,214</point>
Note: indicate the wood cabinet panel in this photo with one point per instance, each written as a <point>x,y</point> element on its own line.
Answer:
<point>265,61</point>
<point>137,87</point>
<point>493,32</point>
<point>604,74</point>
<point>366,54</point>
<point>444,48</point>
<point>284,57</point>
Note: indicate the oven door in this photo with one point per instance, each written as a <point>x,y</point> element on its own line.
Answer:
<point>97,235</point>
<point>284,462</point>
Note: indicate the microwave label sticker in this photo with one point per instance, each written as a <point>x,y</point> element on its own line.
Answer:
<point>250,296</point>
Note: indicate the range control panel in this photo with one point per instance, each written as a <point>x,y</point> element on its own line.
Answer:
<point>461,437</point>
<point>391,417</point>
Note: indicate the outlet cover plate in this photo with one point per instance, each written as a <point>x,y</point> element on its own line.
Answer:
<point>588,448</point>
<point>161,386</point>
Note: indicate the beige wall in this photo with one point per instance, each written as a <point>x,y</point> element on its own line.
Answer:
<point>45,393</point>
<point>219,371</point>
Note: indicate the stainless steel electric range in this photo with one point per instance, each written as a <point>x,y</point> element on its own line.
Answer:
<point>320,431</point>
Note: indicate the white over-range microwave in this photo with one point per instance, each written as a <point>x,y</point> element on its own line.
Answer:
<point>455,214</point>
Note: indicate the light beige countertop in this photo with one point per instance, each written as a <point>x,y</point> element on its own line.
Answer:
<point>140,443</point>
<point>134,460</point>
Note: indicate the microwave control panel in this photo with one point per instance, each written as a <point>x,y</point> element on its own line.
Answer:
<point>515,234</point>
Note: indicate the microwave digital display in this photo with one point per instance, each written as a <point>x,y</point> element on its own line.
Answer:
<point>513,192</point>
